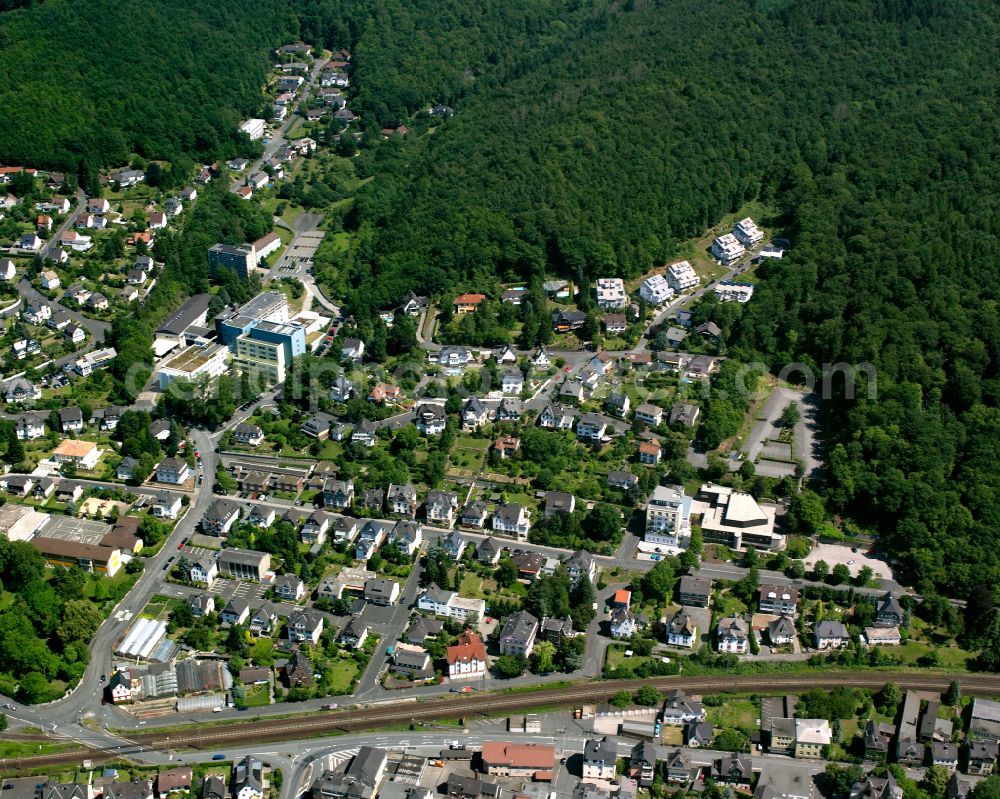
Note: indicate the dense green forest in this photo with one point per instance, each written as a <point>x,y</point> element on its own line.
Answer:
<point>86,84</point>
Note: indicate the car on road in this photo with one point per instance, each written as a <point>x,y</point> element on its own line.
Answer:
<point>218,757</point>
<point>180,546</point>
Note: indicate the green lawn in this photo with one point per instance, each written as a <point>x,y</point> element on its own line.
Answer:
<point>734,713</point>
<point>258,696</point>
<point>342,674</point>
<point>10,749</point>
<point>472,586</point>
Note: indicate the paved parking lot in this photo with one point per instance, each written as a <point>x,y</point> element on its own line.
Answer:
<point>239,589</point>
<point>838,553</point>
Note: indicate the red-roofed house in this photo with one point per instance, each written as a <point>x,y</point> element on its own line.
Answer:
<point>467,303</point>
<point>44,222</point>
<point>505,759</point>
<point>621,599</point>
<point>467,659</point>
<point>157,220</point>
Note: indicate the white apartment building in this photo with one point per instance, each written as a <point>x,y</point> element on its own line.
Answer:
<point>655,290</point>
<point>681,276</point>
<point>747,232</point>
<point>611,293</point>
<point>668,517</point>
<point>729,291</point>
<point>254,128</point>
<point>727,249</point>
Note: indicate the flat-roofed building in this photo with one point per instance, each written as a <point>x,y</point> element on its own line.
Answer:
<point>195,364</point>
<point>736,519</point>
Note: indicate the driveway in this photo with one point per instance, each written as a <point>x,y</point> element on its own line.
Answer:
<point>766,429</point>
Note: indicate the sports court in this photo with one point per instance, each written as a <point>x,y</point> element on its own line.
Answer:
<point>81,531</point>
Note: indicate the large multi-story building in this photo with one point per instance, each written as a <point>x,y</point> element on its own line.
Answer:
<point>747,232</point>
<point>254,128</point>
<point>667,517</point>
<point>737,520</point>
<point>260,335</point>
<point>241,258</point>
<point>611,293</point>
<point>655,290</point>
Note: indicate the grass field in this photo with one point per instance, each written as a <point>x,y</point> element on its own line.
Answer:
<point>342,674</point>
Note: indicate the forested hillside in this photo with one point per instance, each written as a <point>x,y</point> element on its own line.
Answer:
<point>872,124</point>
<point>96,80</point>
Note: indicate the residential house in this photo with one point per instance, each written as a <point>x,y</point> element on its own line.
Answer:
<point>678,768</point>
<point>600,757</point>
<point>261,623</point>
<point>236,611</point>
<point>371,537</point>
<point>779,599</point>
<point>592,427</point>
<point>945,754</point>
<point>580,565</point>
<point>517,760</point>
<point>342,389</point>
<point>474,514</point>
<point>649,414</point>
<point>518,634</point>
<point>812,736</point>
<point>71,420</point>
<point>655,290</point>
<point>315,528</point>
<point>248,434</point>
<point>402,500</point>
<point>167,506</point>
<point>540,359</point>
<point>830,635</point>
<point>474,414</point>
<point>453,357</point>
<point>220,517</point>
<point>509,410</point>
<point>623,623</point>
<point>732,634</point>
<point>623,479</point>
<point>734,771</point>
<point>682,630</point>
<point>650,452</point>
<point>338,494</point>
<point>440,507</point>
<point>727,249</point>
<point>467,303</point>
<point>506,446</point>
<point>610,293</point>
<point>354,634</point>
<point>642,763</point>
<point>353,349</point>
<point>454,544</point>
<point>304,625</point>
<point>781,631</point>
<point>981,757</point>
<point>364,433</point>
<point>261,516</point>
<point>555,417</point>
<point>29,426</point>
<point>618,403</point>
<point>566,321</point>
<point>614,323</point>
<point>698,734</point>
<point>289,587</point>
<point>298,671</point>
<point>318,425</point>
<point>430,420</point>
<point>467,658</point>
<point>747,232</point>
<point>559,502</point>
<point>888,611</point>
<point>204,571</point>
<point>381,592</point>
<point>512,519</point>
<point>512,382</point>
<point>248,778</point>
<point>407,535</point>
<point>872,787</point>
<point>489,549</point>
<point>173,471</point>
<point>684,414</point>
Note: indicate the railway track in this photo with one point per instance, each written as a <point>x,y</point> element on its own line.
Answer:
<point>355,720</point>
